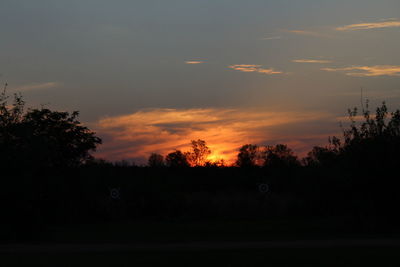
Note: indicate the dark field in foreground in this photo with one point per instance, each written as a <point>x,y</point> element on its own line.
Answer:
<point>349,256</point>
<point>205,243</point>
<point>207,231</point>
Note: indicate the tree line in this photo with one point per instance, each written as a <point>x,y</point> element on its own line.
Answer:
<point>249,156</point>
<point>44,138</point>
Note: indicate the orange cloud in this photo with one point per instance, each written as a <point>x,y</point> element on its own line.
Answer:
<point>369,25</point>
<point>137,135</point>
<point>254,68</point>
<point>194,62</point>
<point>368,71</point>
<point>311,61</point>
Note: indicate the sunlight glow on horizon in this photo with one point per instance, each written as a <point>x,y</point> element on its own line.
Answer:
<point>162,131</point>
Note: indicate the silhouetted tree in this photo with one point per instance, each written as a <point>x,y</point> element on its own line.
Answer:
<point>279,156</point>
<point>248,156</point>
<point>368,158</point>
<point>373,142</point>
<point>41,137</point>
<point>176,159</point>
<point>377,127</point>
<point>123,163</point>
<point>323,156</point>
<point>198,155</point>
<point>217,163</point>
<point>155,160</point>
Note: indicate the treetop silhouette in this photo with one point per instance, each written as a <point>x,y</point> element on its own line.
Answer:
<point>176,159</point>
<point>199,153</point>
<point>42,137</point>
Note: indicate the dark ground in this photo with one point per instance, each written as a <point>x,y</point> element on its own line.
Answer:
<point>244,254</point>
<point>204,243</point>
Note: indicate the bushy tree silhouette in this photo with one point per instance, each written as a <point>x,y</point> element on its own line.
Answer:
<point>156,160</point>
<point>373,142</point>
<point>41,137</point>
<point>248,156</point>
<point>199,153</point>
<point>382,125</point>
<point>279,156</point>
<point>361,167</point>
<point>320,156</point>
<point>176,159</point>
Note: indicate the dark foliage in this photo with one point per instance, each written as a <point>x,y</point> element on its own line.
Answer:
<point>156,160</point>
<point>279,156</point>
<point>248,156</point>
<point>41,137</point>
<point>177,159</point>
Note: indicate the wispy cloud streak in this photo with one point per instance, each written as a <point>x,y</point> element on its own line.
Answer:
<point>254,68</point>
<point>272,38</point>
<point>308,33</point>
<point>319,61</point>
<point>302,32</point>
<point>370,25</point>
<point>368,71</point>
<point>194,62</point>
<point>36,86</point>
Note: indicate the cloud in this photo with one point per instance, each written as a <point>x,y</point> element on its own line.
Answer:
<point>137,135</point>
<point>311,61</point>
<point>321,34</point>
<point>37,86</point>
<point>272,38</point>
<point>193,62</point>
<point>307,33</point>
<point>370,25</point>
<point>254,68</point>
<point>368,71</point>
<point>301,32</point>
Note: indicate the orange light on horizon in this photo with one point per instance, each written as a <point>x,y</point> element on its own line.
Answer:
<point>137,135</point>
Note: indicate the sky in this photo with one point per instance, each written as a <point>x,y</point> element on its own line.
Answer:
<point>149,76</point>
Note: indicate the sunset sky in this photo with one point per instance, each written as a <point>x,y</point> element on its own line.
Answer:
<point>149,76</point>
